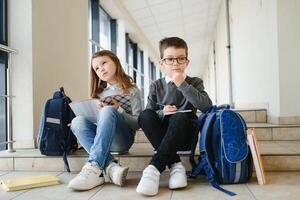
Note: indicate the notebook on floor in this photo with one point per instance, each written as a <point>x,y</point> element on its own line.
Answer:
<point>15,184</point>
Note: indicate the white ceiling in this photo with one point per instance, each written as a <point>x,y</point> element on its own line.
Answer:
<point>192,20</point>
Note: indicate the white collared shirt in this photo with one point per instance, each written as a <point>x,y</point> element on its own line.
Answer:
<point>168,79</point>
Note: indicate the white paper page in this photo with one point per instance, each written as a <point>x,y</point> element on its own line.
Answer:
<point>86,108</point>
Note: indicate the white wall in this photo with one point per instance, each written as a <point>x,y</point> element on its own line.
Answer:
<point>222,71</point>
<point>60,50</point>
<point>255,54</point>
<point>20,38</point>
<point>289,62</point>
<point>254,48</point>
<point>51,37</point>
<point>209,77</point>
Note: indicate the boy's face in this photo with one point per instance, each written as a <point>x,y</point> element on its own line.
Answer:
<point>174,61</point>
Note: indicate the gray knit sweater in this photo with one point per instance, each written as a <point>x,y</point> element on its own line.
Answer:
<point>189,95</point>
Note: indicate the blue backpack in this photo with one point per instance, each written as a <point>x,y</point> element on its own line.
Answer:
<point>55,137</point>
<point>225,157</point>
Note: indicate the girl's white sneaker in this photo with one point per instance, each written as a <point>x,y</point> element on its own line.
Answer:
<point>89,177</point>
<point>116,173</point>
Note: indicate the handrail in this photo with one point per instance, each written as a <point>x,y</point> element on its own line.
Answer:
<point>7,49</point>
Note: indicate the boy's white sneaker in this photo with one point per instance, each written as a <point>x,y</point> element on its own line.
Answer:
<point>116,173</point>
<point>177,176</point>
<point>89,177</point>
<point>149,182</point>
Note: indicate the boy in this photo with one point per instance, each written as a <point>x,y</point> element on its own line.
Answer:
<point>167,132</point>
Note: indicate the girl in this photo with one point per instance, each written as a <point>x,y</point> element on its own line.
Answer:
<point>115,127</point>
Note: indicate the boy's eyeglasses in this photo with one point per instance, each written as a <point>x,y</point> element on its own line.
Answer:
<point>170,61</point>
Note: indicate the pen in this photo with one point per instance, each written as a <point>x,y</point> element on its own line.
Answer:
<point>159,104</point>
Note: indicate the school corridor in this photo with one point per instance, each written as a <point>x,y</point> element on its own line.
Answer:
<point>245,51</point>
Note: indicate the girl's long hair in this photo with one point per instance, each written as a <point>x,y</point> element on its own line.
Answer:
<point>97,85</point>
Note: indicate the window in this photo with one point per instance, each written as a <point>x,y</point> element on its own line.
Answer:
<point>3,22</point>
<point>104,25</point>
<point>141,82</point>
<point>103,29</point>
<point>152,71</point>
<point>129,58</point>
<point>132,59</point>
<point>3,68</point>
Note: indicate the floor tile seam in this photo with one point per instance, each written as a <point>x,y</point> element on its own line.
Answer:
<point>247,186</point>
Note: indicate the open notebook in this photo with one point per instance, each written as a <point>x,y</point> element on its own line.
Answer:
<point>29,182</point>
<point>88,108</point>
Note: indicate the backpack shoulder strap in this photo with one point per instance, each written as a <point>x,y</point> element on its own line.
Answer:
<point>204,164</point>
<point>198,126</point>
<point>202,144</point>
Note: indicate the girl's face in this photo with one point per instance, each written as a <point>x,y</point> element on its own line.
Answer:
<point>105,69</point>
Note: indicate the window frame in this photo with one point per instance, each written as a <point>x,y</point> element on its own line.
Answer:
<point>95,11</point>
<point>3,62</point>
<point>3,20</point>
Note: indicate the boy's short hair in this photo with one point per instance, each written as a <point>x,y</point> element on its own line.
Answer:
<point>172,42</point>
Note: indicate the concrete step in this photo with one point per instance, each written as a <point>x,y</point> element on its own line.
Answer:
<point>253,115</point>
<point>277,156</point>
<point>275,132</point>
<point>264,132</point>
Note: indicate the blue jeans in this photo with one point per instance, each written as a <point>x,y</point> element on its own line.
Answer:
<point>110,134</point>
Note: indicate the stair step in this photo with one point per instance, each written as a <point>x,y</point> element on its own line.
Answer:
<point>277,156</point>
<point>264,132</point>
<point>252,115</point>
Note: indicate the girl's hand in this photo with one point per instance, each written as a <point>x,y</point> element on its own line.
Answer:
<point>169,108</point>
<point>115,104</point>
<point>101,105</point>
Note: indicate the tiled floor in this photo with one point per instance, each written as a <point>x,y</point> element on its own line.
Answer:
<point>282,185</point>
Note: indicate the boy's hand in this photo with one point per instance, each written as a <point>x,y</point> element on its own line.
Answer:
<point>169,108</point>
<point>178,78</point>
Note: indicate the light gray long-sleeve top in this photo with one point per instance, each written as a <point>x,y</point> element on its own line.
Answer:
<point>136,104</point>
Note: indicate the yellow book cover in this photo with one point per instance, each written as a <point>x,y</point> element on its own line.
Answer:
<point>29,182</point>
<point>257,160</point>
